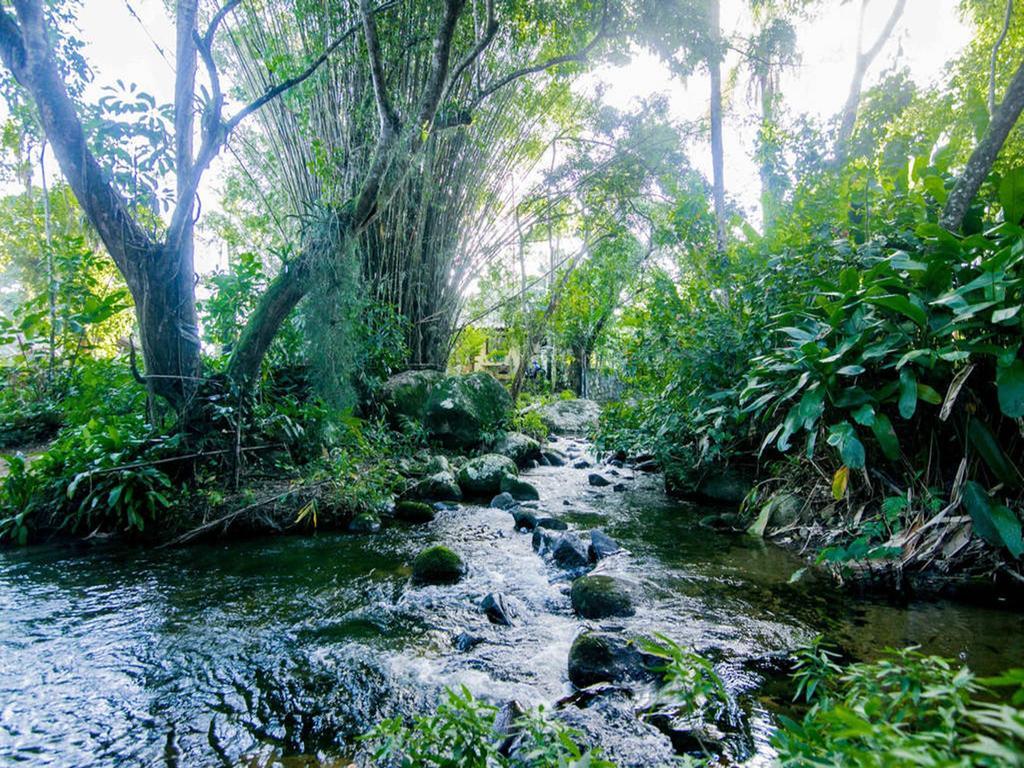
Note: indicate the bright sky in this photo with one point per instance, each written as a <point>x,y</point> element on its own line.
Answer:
<point>121,45</point>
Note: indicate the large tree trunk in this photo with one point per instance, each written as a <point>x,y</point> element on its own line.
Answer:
<point>984,156</point>
<point>717,144</point>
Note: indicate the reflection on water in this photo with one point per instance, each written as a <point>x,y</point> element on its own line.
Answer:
<point>283,650</point>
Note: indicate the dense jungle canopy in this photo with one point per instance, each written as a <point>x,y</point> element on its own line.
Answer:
<point>342,265</point>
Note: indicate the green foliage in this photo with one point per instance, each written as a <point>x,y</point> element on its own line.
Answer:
<point>461,732</point>
<point>689,682</point>
<point>906,709</point>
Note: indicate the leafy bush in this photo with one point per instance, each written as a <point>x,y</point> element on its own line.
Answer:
<point>462,733</point>
<point>906,709</point>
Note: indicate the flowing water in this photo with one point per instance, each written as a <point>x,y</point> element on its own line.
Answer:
<point>281,651</point>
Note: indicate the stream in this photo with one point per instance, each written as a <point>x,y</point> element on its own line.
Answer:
<point>280,651</point>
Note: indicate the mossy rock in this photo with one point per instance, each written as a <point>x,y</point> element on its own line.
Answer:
<point>599,596</point>
<point>520,490</point>
<point>483,475</point>
<point>604,657</point>
<point>405,394</point>
<point>437,565</point>
<point>365,522</point>
<point>518,447</point>
<point>438,487</point>
<point>461,410</point>
<point>414,512</point>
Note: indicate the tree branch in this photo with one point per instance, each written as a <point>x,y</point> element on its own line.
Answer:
<point>440,62</point>
<point>389,122</point>
<point>994,56</point>
<point>490,30</point>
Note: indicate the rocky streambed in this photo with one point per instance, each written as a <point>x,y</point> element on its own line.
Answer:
<point>282,651</point>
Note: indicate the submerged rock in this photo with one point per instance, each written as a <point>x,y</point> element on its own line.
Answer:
<point>553,459</point>
<point>503,501</point>
<point>598,481</point>
<point>437,565</point>
<point>482,476</point>
<point>581,464</point>
<point>571,417</point>
<point>524,519</point>
<point>648,465</point>
<point>464,641</point>
<point>689,736</point>
<point>365,522</point>
<point>619,487</point>
<point>414,512</point>
<point>601,546</point>
<point>499,609</point>
<point>460,410</point>
<point>604,657</point>
<point>522,449</point>
<point>519,489</point>
<point>600,596</point>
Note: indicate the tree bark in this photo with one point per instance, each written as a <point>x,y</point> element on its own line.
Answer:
<point>717,143</point>
<point>984,156</point>
<point>860,70</point>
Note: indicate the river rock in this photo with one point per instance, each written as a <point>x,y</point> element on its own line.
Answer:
<point>570,417</point>
<point>460,410</point>
<point>598,481</point>
<point>543,540</point>
<point>619,487</point>
<point>600,596</point>
<point>365,522</point>
<point>522,449</point>
<point>581,464</point>
<point>552,524</point>
<point>508,726</point>
<point>689,736</point>
<point>605,657</point>
<point>437,565</point>
<point>499,609</point>
<point>524,519</point>
<point>503,501</point>
<point>727,521</point>
<point>414,512</point>
<point>648,465</point>
<point>601,546</point>
<point>438,487</point>
<point>405,395</point>
<point>617,463</point>
<point>785,509</point>
<point>482,476</point>
<point>464,641</point>
<point>519,489</point>
<point>554,459</point>
<point>569,551</point>
<point>725,485</point>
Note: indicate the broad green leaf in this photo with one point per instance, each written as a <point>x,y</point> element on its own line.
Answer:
<point>886,436</point>
<point>995,523</point>
<point>1011,195</point>
<point>991,453</point>
<point>851,370</point>
<point>864,415</point>
<point>1002,315</point>
<point>908,393</point>
<point>902,305</point>
<point>1010,384</point>
<point>844,438</point>
<point>928,394</point>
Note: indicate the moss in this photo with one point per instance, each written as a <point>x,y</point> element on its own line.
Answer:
<point>437,565</point>
<point>414,512</point>
<point>598,597</point>
<point>519,489</point>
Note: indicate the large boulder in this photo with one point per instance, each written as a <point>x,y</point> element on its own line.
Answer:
<point>482,476</point>
<point>522,449</point>
<point>461,410</point>
<point>437,565</point>
<point>405,394</point>
<point>571,417</point>
<point>600,596</point>
<point>604,657</point>
<point>438,487</point>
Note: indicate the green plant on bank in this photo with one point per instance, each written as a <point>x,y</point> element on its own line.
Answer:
<point>461,733</point>
<point>906,709</point>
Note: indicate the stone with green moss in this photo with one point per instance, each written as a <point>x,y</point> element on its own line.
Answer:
<point>605,657</point>
<point>463,411</point>
<point>600,596</point>
<point>414,512</point>
<point>405,394</point>
<point>483,475</point>
<point>520,490</point>
<point>437,565</point>
<point>365,522</point>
